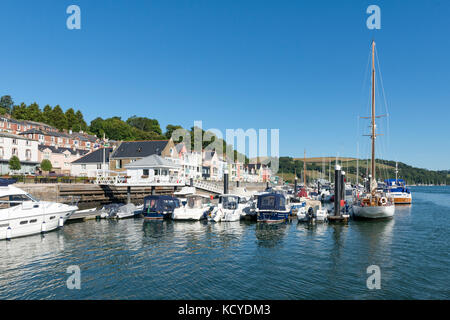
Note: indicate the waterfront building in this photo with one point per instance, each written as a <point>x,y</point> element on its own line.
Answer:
<point>212,166</point>
<point>256,172</point>
<point>191,162</point>
<point>15,145</point>
<point>77,140</point>
<point>153,169</point>
<point>92,164</point>
<point>130,151</point>
<point>61,158</point>
<point>48,135</point>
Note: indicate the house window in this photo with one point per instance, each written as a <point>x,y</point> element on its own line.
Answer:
<point>75,142</point>
<point>28,154</point>
<point>118,164</point>
<point>18,127</point>
<point>146,172</point>
<point>41,137</point>
<point>83,166</point>
<point>99,166</point>
<point>1,152</point>
<point>66,164</point>
<point>46,155</point>
<point>14,141</point>
<point>28,143</point>
<point>14,152</point>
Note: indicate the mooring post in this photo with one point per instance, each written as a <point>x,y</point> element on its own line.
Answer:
<point>153,190</point>
<point>225,181</point>
<point>191,182</point>
<point>237,183</point>
<point>295,186</point>
<point>337,191</point>
<point>128,194</point>
<point>342,185</point>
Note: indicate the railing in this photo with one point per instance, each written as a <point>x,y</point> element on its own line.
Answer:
<point>207,186</point>
<point>126,180</point>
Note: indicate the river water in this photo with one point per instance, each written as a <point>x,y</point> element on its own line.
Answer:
<point>133,259</point>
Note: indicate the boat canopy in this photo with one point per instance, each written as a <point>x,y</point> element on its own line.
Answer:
<point>160,203</point>
<point>271,201</point>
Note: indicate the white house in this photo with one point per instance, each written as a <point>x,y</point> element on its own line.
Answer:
<point>25,149</point>
<point>152,169</point>
<point>91,164</point>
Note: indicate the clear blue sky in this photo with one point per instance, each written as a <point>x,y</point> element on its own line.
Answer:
<point>293,65</point>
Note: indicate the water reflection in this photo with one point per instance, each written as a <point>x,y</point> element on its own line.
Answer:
<point>270,235</point>
<point>375,237</point>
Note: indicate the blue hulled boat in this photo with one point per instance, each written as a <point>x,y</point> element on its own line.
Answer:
<point>271,207</point>
<point>159,207</point>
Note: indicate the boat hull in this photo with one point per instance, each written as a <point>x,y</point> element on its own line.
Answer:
<point>272,216</point>
<point>33,225</point>
<point>373,212</point>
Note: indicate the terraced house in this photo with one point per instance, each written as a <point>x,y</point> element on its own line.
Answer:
<point>130,151</point>
<point>15,145</point>
<point>60,157</point>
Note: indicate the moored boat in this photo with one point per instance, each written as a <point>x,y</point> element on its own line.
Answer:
<point>159,207</point>
<point>23,215</point>
<point>196,208</point>
<point>271,207</point>
<point>375,203</point>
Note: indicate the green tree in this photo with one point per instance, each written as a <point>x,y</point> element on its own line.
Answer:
<point>33,112</point>
<point>14,163</point>
<point>80,124</point>
<point>46,165</point>
<point>170,128</point>
<point>47,115</point>
<point>145,124</point>
<point>19,112</point>
<point>96,127</point>
<point>6,104</point>
<point>71,119</point>
<point>59,118</point>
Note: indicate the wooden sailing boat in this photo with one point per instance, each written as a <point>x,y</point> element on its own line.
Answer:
<point>374,203</point>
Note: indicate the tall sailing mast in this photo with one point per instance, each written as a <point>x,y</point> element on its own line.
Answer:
<point>373,120</point>
<point>304,168</point>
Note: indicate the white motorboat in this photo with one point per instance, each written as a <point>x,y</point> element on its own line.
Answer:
<point>196,208</point>
<point>312,212</point>
<point>230,208</point>
<point>23,215</point>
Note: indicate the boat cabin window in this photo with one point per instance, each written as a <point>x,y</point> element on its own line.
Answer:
<point>14,200</point>
<point>150,204</point>
<point>268,201</point>
<point>230,202</point>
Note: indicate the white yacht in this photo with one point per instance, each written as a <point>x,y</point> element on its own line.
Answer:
<point>374,203</point>
<point>22,215</point>
<point>230,208</point>
<point>196,208</point>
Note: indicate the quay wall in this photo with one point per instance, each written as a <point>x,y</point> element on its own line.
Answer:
<point>91,195</point>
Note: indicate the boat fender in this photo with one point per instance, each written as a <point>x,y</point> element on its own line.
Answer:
<point>383,200</point>
<point>61,222</point>
<point>43,227</point>
<point>8,233</point>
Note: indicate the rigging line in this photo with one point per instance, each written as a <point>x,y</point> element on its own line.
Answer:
<point>384,98</point>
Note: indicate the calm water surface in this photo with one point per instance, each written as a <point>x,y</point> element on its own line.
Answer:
<point>130,259</point>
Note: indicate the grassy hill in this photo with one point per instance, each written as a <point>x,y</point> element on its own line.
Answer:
<point>319,167</point>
